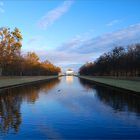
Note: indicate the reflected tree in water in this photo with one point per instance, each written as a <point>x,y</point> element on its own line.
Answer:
<point>11,99</point>
<point>9,112</point>
<point>118,100</point>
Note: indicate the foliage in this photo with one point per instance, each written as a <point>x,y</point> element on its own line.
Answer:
<point>117,62</point>
<point>13,63</point>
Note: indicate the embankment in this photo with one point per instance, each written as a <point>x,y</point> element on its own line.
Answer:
<point>124,84</point>
<point>8,82</point>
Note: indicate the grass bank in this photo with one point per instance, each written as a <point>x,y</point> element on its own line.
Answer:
<point>125,84</point>
<point>8,82</point>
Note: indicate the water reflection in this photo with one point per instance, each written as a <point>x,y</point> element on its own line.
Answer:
<point>68,111</point>
<point>118,100</point>
<point>11,99</point>
<point>10,116</point>
<point>69,79</point>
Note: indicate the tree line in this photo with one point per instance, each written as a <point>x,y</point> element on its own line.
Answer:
<point>120,61</point>
<point>13,63</point>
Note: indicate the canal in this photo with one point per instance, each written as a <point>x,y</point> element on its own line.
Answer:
<point>68,108</point>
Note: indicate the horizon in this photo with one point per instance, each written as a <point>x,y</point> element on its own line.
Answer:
<point>69,69</point>
<point>56,31</point>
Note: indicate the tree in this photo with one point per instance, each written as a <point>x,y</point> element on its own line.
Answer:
<point>117,62</point>
<point>13,63</point>
<point>10,48</point>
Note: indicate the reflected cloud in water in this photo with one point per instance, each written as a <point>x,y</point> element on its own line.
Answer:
<point>71,109</point>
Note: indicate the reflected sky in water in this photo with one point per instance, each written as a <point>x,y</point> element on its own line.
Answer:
<point>68,108</point>
<point>69,79</point>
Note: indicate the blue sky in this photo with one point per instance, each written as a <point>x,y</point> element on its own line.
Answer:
<point>72,32</point>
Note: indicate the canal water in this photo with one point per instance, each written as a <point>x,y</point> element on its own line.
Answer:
<point>68,108</point>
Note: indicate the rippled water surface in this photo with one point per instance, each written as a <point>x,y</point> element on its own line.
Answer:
<point>68,108</point>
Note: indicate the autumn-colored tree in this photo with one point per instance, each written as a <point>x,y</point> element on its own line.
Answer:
<point>32,66</point>
<point>10,48</point>
<point>11,61</point>
<point>32,57</point>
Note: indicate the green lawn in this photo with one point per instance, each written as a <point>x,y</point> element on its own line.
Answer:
<point>6,82</point>
<point>131,85</point>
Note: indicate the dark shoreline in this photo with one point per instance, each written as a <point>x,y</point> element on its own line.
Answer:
<point>120,84</point>
<point>13,82</point>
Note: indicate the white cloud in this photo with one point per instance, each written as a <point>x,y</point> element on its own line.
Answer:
<point>1,10</point>
<point>1,3</point>
<point>34,39</point>
<point>124,36</point>
<point>79,50</point>
<point>54,14</point>
<point>113,22</point>
<point>72,43</point>
<point>106,41</point>
<point>65,59</point>
<point>1,7</point>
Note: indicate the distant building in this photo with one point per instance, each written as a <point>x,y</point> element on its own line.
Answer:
<point>69,71</point>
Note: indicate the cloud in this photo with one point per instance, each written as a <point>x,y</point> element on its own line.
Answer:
<point>54,14</point>
<point>106,41</point>
<point>1,3</point>
<point>65,59</point>
<point>72,43</point>
<point>1,7</point>
<point>113,22</point>
<point>36,43</point>
<point>1,10</point>
<point>79,50</point>
<point>34,39</point>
